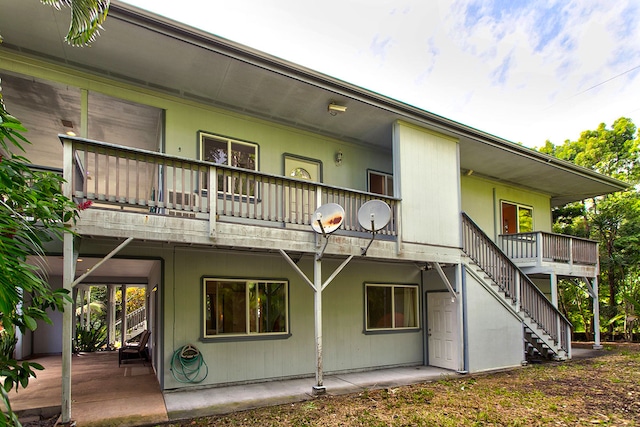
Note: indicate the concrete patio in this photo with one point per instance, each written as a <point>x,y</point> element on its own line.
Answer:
<point>104,394</point>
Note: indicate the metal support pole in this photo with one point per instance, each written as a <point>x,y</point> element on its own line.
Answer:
<point>319,388</point>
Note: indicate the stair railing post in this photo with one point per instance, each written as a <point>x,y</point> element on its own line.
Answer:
<point>539,250</point>
<point>571,251</point>
<point>212,196</point>
<point>517,285</point>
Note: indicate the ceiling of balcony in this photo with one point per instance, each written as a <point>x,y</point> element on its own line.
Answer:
<point>156,53</point>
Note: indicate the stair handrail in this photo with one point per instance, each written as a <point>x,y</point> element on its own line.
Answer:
<point>134,318</point>
<point>482,250</point>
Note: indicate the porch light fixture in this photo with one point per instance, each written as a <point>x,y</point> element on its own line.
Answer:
<point>334,109</point>
<point>338,158</point>
<point>69,125</point>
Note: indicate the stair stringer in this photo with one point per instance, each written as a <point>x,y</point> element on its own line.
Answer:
<point>532,333</point>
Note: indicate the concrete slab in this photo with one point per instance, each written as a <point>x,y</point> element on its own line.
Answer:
<point>105,395</point>
<point>101,392</point>
<point>200,402</point>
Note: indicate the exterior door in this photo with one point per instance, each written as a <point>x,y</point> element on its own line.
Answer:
<point>442,330</point>
<point>299,204</point>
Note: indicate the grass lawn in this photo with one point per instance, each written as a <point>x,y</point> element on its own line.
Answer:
<point>599,391</point>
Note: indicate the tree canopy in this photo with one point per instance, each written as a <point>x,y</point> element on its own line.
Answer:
<point>612,219</point>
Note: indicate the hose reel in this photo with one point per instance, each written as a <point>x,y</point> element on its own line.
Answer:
<point>188,365</point>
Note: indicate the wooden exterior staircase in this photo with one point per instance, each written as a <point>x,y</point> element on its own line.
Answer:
<point>136,323</point>
<point>545,330</point>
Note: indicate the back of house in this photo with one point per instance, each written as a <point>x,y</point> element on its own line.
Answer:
<point>208,167</point>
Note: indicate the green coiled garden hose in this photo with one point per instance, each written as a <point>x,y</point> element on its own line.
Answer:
<point>188,365</point>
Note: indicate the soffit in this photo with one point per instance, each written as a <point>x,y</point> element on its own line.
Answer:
<point>154,52</point>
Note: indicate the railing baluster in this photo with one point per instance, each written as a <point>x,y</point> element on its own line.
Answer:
<point>486,254</point>
<point>160,181</point>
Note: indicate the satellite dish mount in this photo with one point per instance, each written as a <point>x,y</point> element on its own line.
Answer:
<point>373,216</point>
<point>325,220</point>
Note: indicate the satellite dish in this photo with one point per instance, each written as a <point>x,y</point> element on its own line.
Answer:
<point>374,215</point>
<point>327,218</point>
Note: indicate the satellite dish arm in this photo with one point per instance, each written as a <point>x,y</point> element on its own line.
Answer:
<point>373,237</point>
<point>326,240</point>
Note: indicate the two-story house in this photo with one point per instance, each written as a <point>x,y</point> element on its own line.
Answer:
<point>209,164</point>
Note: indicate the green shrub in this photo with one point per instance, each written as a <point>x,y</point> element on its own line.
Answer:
<point>90,340</point>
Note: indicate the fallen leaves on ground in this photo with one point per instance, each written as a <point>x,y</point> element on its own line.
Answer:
<point>599,391</point>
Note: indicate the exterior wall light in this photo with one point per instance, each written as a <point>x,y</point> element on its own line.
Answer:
<point>334,109</point>
<point>338,158</point>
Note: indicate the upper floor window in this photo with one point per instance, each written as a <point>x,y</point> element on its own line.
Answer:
<point>391,306</point>
<point>226,151</point>
<point>380,183</point>
<point>240,307</point>
<point>516,218</point>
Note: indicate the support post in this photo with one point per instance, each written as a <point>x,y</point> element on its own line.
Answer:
<point>319,388</point>
<point>87,323</point>
<point>81,318</point>
<point>596,316</point>
<point>68,273</point>
<point>111,315</point>
<point>317,287</point>
<point>123,313</point>
<point>553,278</point>
<point>461,332</point>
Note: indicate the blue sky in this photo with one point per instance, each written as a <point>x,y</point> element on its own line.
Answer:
<point>523,70</point>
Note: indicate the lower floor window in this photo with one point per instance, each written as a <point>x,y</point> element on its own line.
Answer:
<point>244,307</point>
<point>391,306</point>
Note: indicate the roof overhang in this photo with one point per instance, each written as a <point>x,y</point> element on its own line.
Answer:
<point>150,51</point>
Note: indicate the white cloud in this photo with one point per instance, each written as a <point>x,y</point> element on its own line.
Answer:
<point>525,71</point>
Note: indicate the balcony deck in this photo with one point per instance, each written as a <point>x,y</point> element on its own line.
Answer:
<point>545,253</point>
<point>157,197</point>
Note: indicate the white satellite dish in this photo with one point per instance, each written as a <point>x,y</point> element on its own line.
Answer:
<point>374,215</point>
<point>327,218</point>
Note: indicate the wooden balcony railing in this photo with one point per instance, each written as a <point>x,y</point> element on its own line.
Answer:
<point>514,283</point>
<point>540,246</point>
<point>127,179</point>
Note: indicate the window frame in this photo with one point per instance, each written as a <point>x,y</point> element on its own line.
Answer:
<point>394,328</point>
<point>386,177</point>
<point>202,135</point>
<point>229,141</point>
<point>247,334</point>
<point>518,206</point>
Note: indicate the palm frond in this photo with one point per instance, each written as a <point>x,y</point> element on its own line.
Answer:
<point>87,17</point>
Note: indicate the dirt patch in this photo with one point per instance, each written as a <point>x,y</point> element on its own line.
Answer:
<point>600,391</point>
<point>41,421</point>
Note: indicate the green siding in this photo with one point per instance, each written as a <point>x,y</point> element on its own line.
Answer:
<point>481,200</point>
<point>184,118</point>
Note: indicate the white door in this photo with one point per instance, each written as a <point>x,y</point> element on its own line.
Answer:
<point>442,330</point>
<point>298,202</point>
